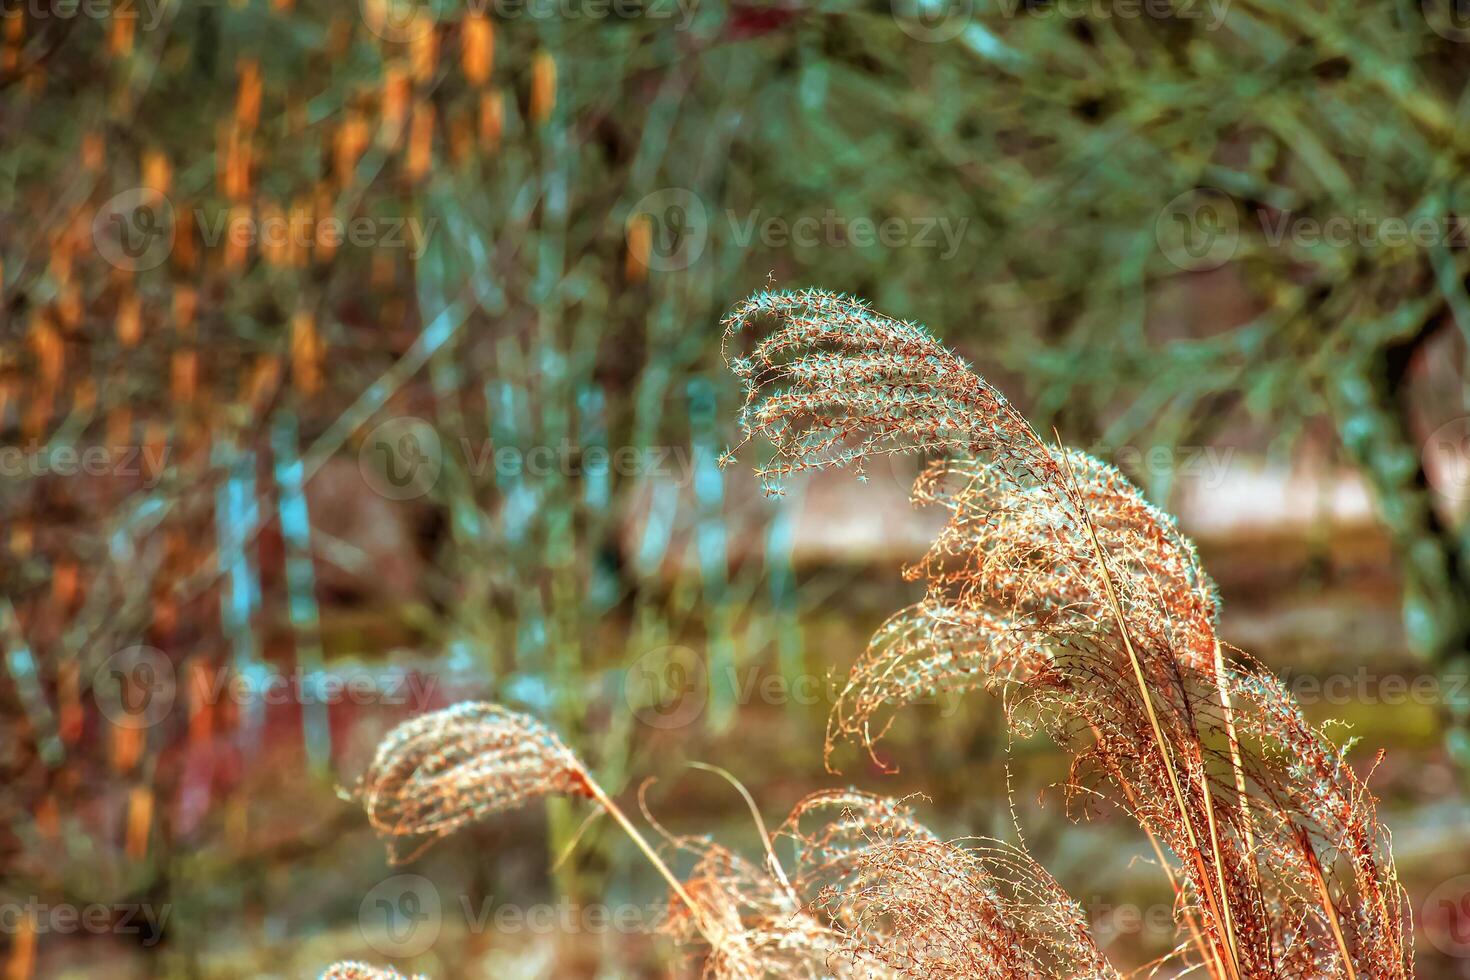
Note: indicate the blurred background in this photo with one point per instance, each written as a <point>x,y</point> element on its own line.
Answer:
<point>362,358</point>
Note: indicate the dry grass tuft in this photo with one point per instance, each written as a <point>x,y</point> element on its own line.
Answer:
<point>1056,586</point>
<point>438,772</point>
<point>872,894</point>
<point>923,907</point>
<point>757,926</point>
<point>351,970</point>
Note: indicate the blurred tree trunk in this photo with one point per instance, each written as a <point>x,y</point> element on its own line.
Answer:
<point>1369,407</point>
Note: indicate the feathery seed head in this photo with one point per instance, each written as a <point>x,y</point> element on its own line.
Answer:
<point>438,772</point>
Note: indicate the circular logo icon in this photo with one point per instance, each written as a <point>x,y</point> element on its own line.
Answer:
<point>667,688</point>
<point>401,458</point>
<point>399,20</point>
<point>134,230</point>
<point>135,688</point>
<point>902,470</point>
<point>401,916</point>
<point>1446,916</point>
<point>933,21</point>
<point>1450,19</point>
<point>1447,459</point>
<point>1199,230</point>
<point>678,226</point>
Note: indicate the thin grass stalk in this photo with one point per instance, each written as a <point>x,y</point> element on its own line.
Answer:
<point>658,863</point>
<point>1227,706</point>
<point>1327,906</point>
<point>1220,908</point>
<point>1206,950</point>
<point>772,861</point>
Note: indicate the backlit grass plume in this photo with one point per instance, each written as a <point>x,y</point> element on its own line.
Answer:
<point>871,894</point>
<point>903,899</point>
<point>352,970</point>
<point>1057,586</point>
<point>761,924</point>
<point>440,771</point>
